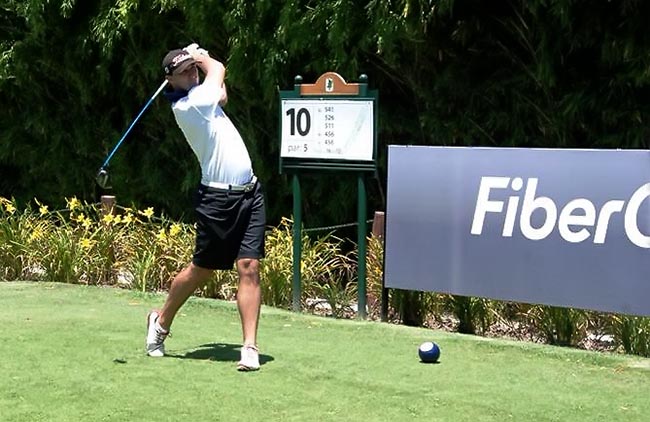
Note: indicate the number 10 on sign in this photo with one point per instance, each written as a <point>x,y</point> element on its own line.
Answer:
<point>327,129</point>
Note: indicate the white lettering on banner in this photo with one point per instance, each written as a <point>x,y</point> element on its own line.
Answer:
<point>631,217</point>
<point>575,219</point>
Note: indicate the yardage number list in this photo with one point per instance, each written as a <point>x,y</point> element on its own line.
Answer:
<point>335,129</point>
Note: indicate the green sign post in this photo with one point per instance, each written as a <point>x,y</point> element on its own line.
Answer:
<point>327,126</point>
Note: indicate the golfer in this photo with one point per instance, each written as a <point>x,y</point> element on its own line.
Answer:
<point>229,204</point>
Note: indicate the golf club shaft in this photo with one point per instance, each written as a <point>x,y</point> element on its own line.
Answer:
<point>160,88</point>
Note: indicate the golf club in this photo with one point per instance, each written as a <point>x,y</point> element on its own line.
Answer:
<point>102,174</point>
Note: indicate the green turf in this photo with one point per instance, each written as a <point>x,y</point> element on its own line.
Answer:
<point>75,353</point>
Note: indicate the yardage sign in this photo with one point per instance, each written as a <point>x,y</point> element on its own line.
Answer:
<point>328,125</point>
<point>327,128</point>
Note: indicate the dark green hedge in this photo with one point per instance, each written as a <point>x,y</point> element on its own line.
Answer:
<point>536,73</point>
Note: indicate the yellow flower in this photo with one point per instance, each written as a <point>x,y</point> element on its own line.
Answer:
<point>72,203</point>
<point>128,218</point>
<point>43,209</point>
<point>87,223</point>
<point>174,229</point>
<point>80,218</point>
<point>147,213</point>
<point>9,207</point>
<point>117,219</point>
<point>36,234</point>
<point>108,218</point>
<point>161,236</point>
<point>86,243</point>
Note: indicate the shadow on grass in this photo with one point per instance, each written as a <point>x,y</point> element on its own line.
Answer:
<point>216,351</point>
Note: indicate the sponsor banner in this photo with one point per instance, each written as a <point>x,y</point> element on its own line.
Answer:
<point>558,227</point>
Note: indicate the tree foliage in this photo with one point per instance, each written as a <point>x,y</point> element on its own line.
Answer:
<point>539,73</point>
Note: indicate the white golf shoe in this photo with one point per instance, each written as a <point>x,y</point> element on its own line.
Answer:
<point>155,336</point>
<point>250,358</point>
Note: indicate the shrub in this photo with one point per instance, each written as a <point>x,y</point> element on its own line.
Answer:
<point>632,334</point>
<point>559,326</point>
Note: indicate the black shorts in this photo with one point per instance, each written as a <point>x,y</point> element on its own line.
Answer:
<point>229,225</point>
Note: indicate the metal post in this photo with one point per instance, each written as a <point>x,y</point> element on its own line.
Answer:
<point>361,217</point>
<point>385,298</point>
<point>297,242</point>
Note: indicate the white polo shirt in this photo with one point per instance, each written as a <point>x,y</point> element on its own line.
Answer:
<point>216,142</point>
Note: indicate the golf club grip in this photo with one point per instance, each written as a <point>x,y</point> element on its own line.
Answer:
<point>160,88</point>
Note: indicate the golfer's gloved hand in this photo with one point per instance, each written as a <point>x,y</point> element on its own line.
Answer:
<point>191,48</point>
<point>195,49</point>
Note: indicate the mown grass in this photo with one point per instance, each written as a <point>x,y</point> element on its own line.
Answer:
<point>137,249</point>
<point>75,353</point>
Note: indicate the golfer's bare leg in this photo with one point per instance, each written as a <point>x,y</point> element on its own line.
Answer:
<point>183,285</point>
<point>249,298</point>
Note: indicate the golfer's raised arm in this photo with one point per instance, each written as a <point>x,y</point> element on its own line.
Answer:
<point>224,95</point>
<point>215,72</point>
